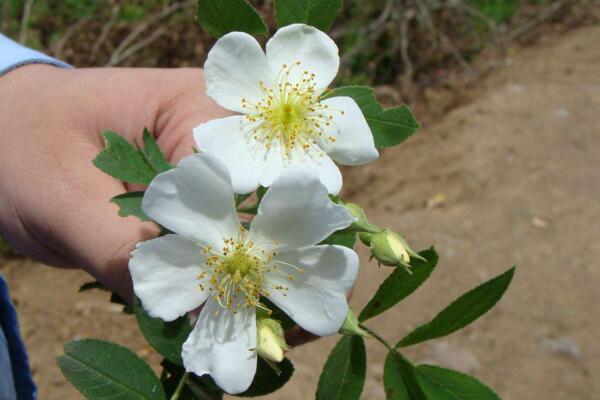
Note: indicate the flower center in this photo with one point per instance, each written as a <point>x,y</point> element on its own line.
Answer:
<point>238,274</point>
<point>290,114</point>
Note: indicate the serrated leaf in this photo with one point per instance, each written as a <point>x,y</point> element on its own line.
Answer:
<point>462,311</point>
<point>391,126</point>
<point>103,370</point>
<point>400,284</point>
<point>219,17</point>
<point>130,204</point>
<point>153,154</point>
<point>343,375</point>
<point>445,384</point>
<point>400,380</point>
<point>165,337</point>
<point>267,380</point>
<point>121,160</point>
<point>341,238</point>
<point>318,13</point>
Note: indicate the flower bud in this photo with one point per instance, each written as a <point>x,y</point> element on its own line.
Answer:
<point>351,326</point>
<point>271,344</point>
<point>389,248</point>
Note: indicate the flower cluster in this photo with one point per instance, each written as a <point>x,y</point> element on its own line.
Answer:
<point>285,139</point>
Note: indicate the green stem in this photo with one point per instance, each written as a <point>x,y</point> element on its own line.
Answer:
<point>379,338</point>
<point>180,386</point>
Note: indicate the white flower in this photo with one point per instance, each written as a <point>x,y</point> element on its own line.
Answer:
<point>211,259</point>
<point>286,121</point>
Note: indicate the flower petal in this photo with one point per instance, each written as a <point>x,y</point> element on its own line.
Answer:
<point>195,200</point>
<point>317,53</point>
<point>228,139</point>
<point>353,143</point>
<point>223,345</point>
<point>297,211</point>
<point>273,165</point>
<point>233,69</point>
<point>165,276</point>
<point>315,299</point>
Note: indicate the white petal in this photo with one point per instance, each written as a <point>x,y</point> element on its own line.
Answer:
<point>223,346</point>
<point>297,211</point>
<point>274,164</point>
<point>329,174</point>
<point>165,276</point>
<point>233,69</point>
<point>353,143</point>
<point>228,139</point>
<point>317,53</point>
<point>195,200</point>
<point>315,299</point>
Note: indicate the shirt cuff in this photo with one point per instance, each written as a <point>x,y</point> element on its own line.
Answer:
<point>13,55</point>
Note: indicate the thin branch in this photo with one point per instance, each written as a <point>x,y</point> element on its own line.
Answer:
<point>372,32</point>
<point>25,21</point>
<point>383,17</point>
<point>542,17</point>
<point>59,46</point>
<point>408,73</point>
<point>6,15</point>
<point>129,51</point>
<point>105,31</point>
<point>117,55</point>
<point>443,39</point>
<point>491,24</point>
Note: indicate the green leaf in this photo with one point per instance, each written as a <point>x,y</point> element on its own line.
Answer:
<point>400,380</point>
<point>343,375</point>
<point>114,298</point>
<point>391,126</point>
<point>121,160</point>
<point>92,285</point>
<point>400,284</point>
<point>267,380</point>
<point>318,13</point>
<point>462,311</point>
<point>130,204</point>
<point>103,370</point>
<point>153,154</point>
<point>445,384</point>
<point>165,337</point>
<point>341,238</point>
<point>219,17</point>
<point>240,198</point>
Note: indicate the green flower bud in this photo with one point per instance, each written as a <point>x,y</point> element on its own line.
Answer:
<point>270,344</point>
<point>351,326</point>
<point>389,248</point>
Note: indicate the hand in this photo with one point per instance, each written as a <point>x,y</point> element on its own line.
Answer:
<point>54,204</point>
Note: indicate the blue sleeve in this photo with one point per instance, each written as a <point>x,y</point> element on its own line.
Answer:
<point>13,55</point>
<point>15,374</point>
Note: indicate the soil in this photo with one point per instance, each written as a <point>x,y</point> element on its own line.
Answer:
<point>512,177</point>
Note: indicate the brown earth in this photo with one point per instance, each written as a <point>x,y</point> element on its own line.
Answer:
<point>510,178</point>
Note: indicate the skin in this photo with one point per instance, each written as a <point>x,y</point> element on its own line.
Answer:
<point>54,204</point>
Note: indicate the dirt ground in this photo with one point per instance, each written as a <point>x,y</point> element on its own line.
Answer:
<point>513,177</point>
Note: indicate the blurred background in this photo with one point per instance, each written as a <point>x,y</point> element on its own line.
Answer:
<point>506,170</point>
